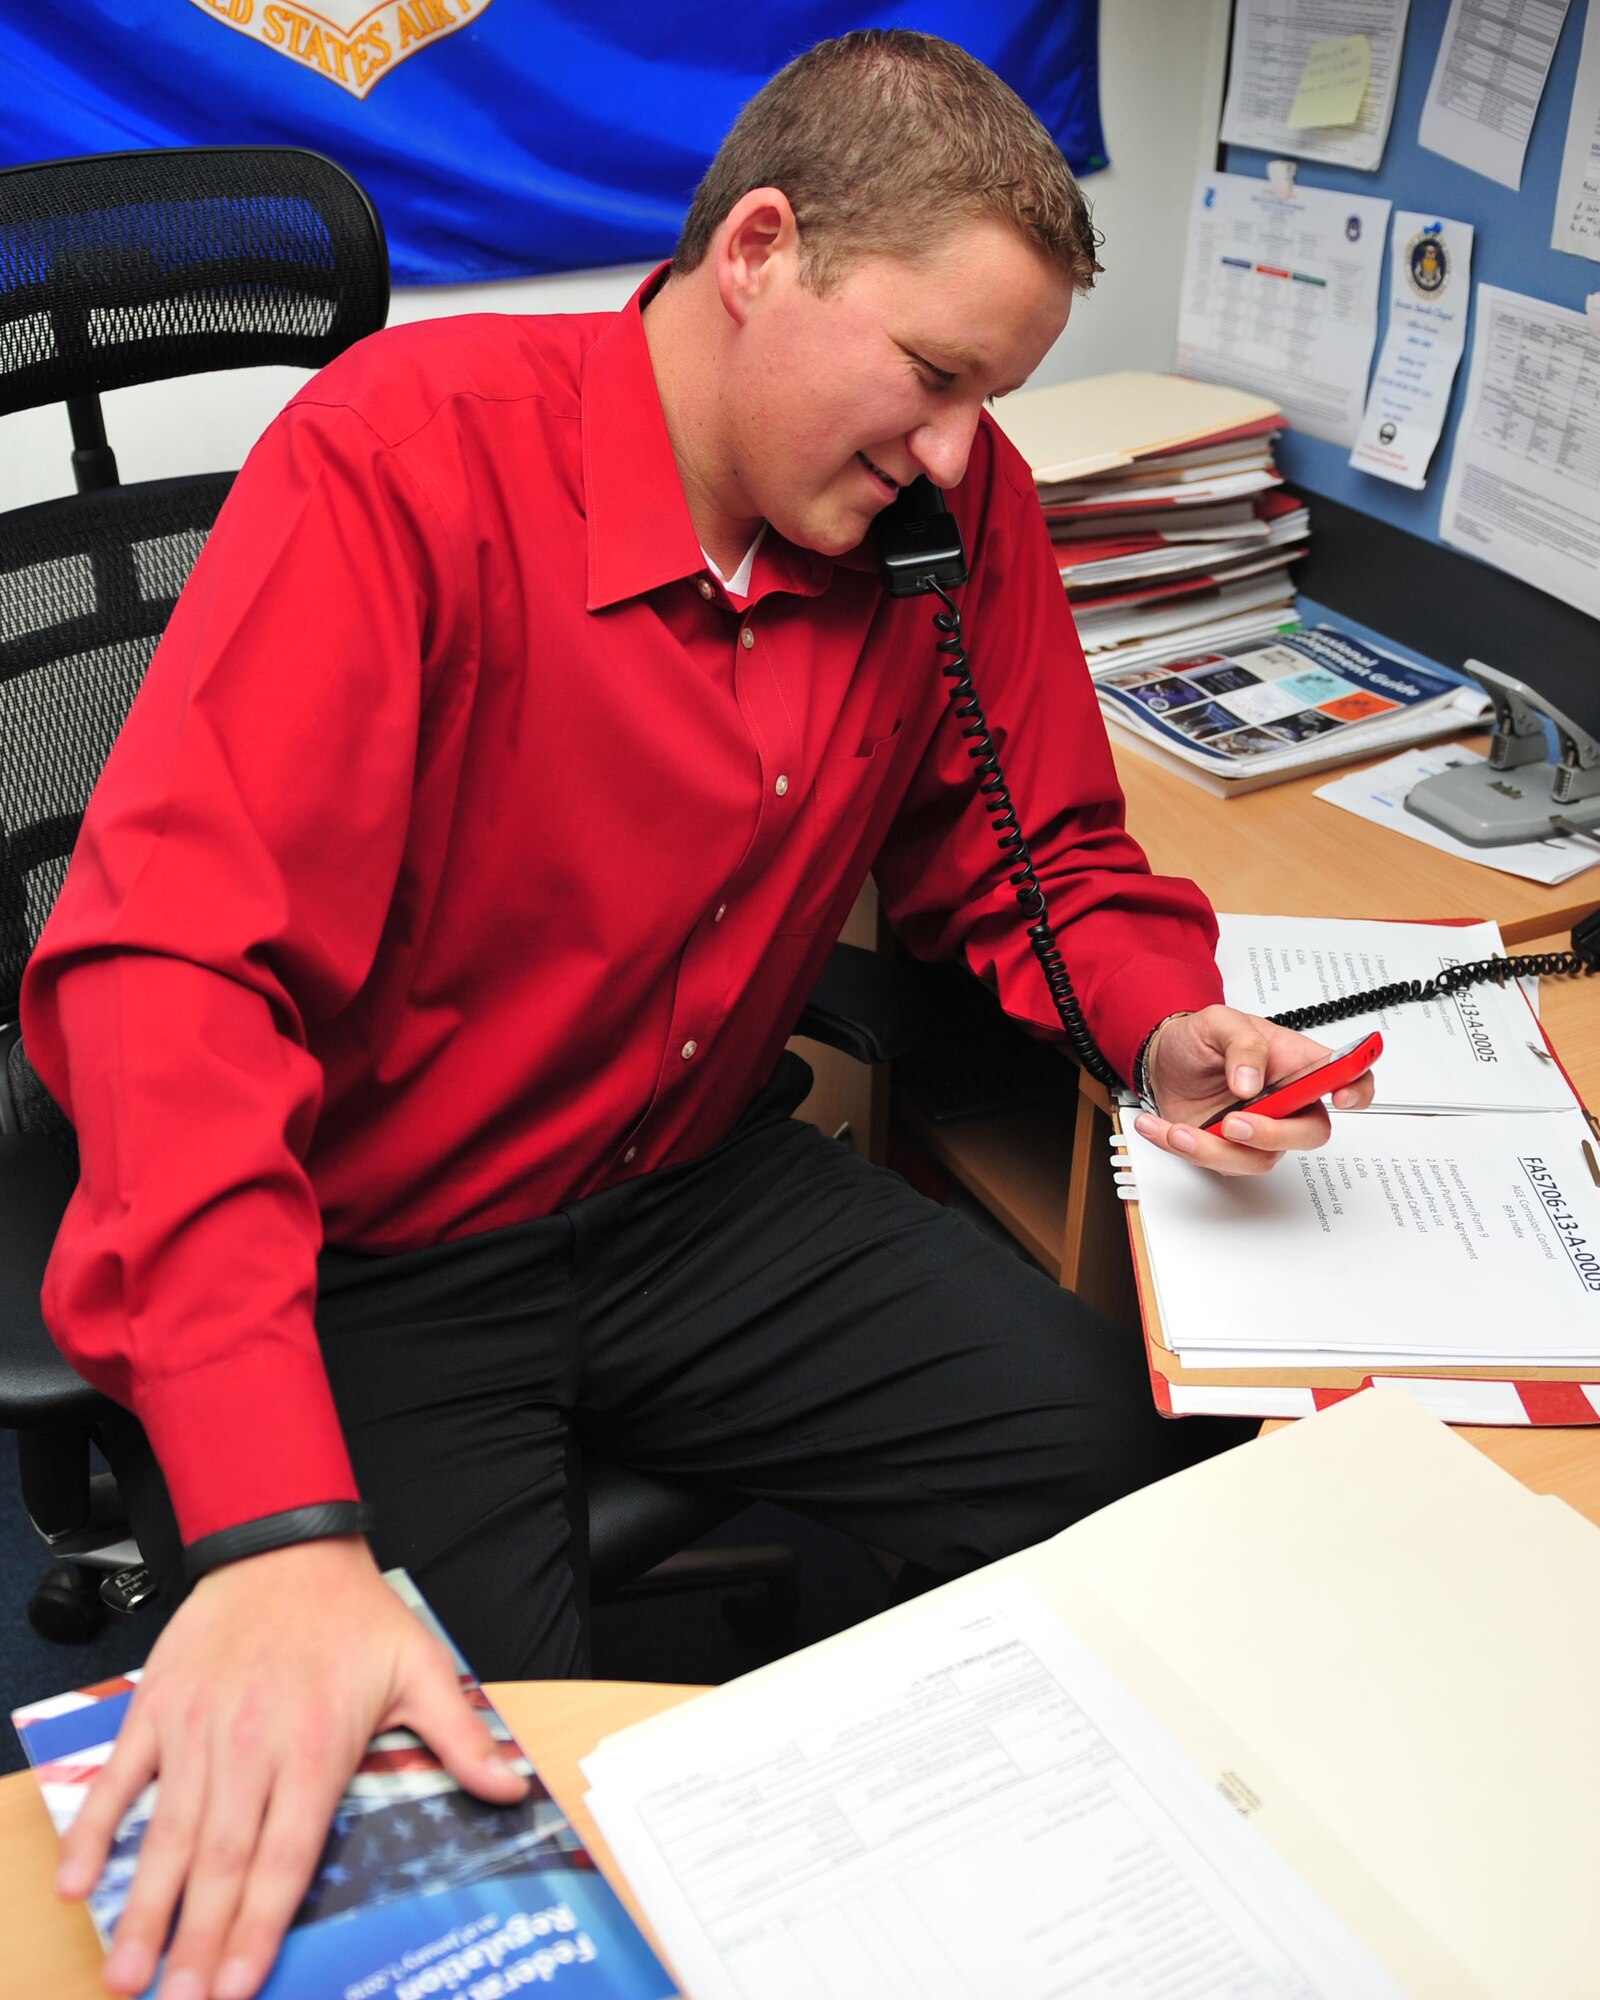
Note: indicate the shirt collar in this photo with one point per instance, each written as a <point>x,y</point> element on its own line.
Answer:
<point>640,533</point>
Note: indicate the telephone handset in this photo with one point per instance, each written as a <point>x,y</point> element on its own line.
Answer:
<point>920,551</point>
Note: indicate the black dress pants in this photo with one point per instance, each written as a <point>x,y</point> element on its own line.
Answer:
<point>778,1318</point>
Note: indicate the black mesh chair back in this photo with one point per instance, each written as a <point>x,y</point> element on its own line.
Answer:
<point>134,267</point>
<point>130,268</point>
<point>87,585</point>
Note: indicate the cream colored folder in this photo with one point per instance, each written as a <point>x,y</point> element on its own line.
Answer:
<point>1072,429</point>
<point>1384,1648</point>
<point>1375,1644</point>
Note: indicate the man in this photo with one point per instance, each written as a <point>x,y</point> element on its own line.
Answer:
<point>518,746</point>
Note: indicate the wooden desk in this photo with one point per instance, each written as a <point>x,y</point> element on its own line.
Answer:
<point>51,1951</point>
<point>1284,852</point>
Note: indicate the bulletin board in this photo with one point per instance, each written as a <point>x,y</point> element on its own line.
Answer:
<point>1376,553</point>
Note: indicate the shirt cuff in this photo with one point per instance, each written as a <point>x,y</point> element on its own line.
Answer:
<point>245,1438</point>
<point>1140,994</point>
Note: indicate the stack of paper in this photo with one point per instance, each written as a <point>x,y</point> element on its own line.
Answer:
<point>1161,497</point>
<point>1455,1224</point>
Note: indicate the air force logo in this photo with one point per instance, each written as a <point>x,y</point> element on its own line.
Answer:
<point>353,43</point>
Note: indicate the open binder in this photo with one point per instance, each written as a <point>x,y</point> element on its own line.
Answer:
<point>1527,1394</point>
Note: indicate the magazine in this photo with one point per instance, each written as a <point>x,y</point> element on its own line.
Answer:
<point>1269,711</point>
<point>422,1888</point>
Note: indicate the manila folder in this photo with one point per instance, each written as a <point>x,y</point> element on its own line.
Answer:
<point>1383,1649</point>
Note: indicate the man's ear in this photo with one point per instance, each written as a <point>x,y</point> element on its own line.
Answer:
<point>756,247</point>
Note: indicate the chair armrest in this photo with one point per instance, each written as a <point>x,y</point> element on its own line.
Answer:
<point>868,1004</point>
<point>37,1386</point>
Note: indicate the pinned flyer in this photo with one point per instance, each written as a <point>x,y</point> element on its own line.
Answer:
<point>1430,286</point>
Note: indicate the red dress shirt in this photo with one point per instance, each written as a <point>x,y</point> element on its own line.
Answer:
<point>467,851</point>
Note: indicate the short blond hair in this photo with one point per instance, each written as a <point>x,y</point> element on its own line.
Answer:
<point>885,139</point>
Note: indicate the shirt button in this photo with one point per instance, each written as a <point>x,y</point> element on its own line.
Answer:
<point>722,911</point>
<point>747,638</point>
<point>782,786</point>
<point>688,1050</point>
<point>630,1156</point>
<point>707,587</point>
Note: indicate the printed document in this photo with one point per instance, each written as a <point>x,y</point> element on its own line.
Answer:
<point>1524,485</point>
<point>1379,793</point>
<point>1487,81</point>
<point>1280,295</point>
<point>1477,1050</point>
<point>965,1804</point>
<point>1404,1241</point>
<point>1273,46</point>
<point>1577,218</point>
<point>1430,287</point>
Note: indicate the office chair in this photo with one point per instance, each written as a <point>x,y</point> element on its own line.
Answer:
<point>117,270</point>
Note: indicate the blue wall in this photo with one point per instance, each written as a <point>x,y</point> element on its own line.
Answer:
<point>1511,247</point>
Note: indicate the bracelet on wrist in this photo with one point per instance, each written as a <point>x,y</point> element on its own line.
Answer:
<point>1141,1062</point>
<point>322,1522</point>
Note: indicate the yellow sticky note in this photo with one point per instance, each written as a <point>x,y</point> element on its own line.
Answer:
<point>1334,83</point>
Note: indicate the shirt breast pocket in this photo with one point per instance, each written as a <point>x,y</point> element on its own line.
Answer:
<point>832,832</point>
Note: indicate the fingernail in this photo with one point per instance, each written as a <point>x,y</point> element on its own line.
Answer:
<point>1236,1128</point>
<point>74,1878</point>
<point>1343,1099</point>
<point>1247,1081</point>
<point>236,1981</point>
<point>1181,1139</point>
<point>1145,1125</point>
<point>184,1984</point>
<point>130,1966</point>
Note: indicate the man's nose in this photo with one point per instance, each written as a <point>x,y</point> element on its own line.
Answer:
<point>942,446</point>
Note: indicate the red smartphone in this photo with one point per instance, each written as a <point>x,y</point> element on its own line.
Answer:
<point>1287,1094</point>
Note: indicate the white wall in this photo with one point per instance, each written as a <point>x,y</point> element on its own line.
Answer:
<point>1161,67</point>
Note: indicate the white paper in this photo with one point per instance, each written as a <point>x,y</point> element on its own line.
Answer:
<point>1280,295</point>
<point>1272,40</point>
<point>1525,472</point>
<point>1379,793</point>
<point>1476,1050</point>
<point>1430,286</point>
<point>1487,81</point>
<point>1577,217</point>
<point>1437,1241</point>
<point>967,1804</point>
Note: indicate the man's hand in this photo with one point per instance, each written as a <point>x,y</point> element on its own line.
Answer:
<point>1198,1062</point>
<point>254,1711</point>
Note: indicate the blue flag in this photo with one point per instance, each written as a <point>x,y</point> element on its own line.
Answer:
<point>498,138</point>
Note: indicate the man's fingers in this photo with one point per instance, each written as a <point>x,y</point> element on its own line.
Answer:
<point>434,1706</point>
<point>1269,1139</point>
<point>87,1842</point>
<point>1302,1133</point>
<point>1246,1062</point>
<point>1355,1096</point>
<point>223,1854</point>
<point>292,1838</point>
<point>164,1856</point>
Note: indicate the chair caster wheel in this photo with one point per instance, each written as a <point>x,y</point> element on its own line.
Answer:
<point>66,1608</point>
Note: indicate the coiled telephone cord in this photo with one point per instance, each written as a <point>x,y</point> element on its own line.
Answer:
<point>1451,979</point>
<point>997,803</point>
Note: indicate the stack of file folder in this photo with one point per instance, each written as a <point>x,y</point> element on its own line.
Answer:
<point>1172,533</point>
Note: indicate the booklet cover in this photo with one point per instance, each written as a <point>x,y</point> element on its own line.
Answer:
<point>422,1889</point>
<point>1284,706</point>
